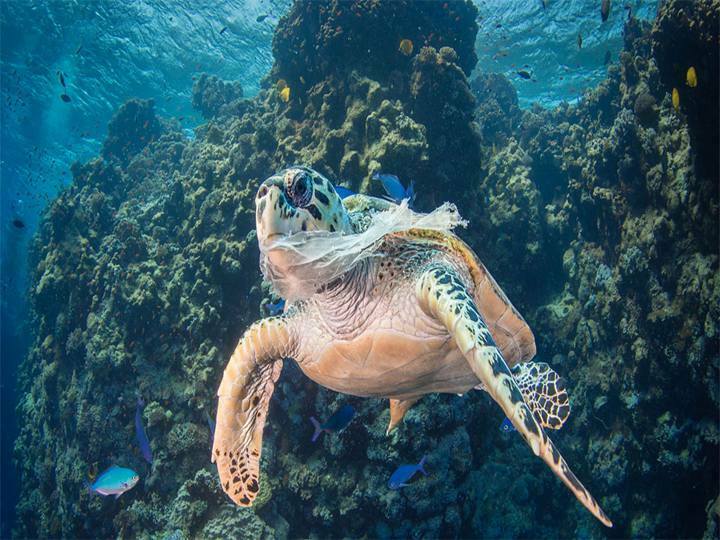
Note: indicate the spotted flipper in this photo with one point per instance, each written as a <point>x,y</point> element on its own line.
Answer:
<point>544,392</point>
<point>398,408</point>
<point>443,295</point>
<point>243,398</point>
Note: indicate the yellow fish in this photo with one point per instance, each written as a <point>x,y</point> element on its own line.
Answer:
<point>676,99</point>
<point>285,94</point>
<point>406,47</point>
<point>691,77</point>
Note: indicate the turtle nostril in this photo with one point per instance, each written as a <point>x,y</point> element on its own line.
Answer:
<point>262,192</point>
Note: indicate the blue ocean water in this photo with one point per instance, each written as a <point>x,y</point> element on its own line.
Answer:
<point>109,52</point>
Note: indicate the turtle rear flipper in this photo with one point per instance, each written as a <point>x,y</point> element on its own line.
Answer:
<point>544,392</point>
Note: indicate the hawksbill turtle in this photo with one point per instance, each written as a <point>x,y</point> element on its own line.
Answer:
<point>414,312</point>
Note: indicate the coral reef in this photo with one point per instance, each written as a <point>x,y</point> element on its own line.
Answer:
<point>595,218</point>
<point>210,95</point>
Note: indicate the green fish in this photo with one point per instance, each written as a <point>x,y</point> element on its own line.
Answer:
<point>114,481</point>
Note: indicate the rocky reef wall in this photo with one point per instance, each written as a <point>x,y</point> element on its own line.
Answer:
<point>598,220</point>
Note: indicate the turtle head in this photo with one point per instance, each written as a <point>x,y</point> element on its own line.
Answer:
<point>295,200</point>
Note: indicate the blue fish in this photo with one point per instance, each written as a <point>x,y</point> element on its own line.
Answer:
<point>344,192</point>
<point>404,473</point>
<point>336,422</point>
<point>396,192</point>
<point>211,424</point>
<point>277,308</point>
<point>507,426</point>
<point>140,432</point>
<point>114,481</point>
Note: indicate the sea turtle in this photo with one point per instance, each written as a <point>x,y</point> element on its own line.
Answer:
<point>422,315</point>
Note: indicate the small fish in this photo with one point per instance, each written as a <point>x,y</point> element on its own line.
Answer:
<point>261,18</point>
<point>608,57</point>
<point>18,223</point>
<point>344,192</point>
<point>676,99</point>
<point>224,28</point>
<point>543,3</point>
<point>142,439</point>
<point>629,10</point>
<point>114,481</point>
<point>336,422</point>
<point>404,473</point>
<point>277,308</point>
<point>80,48</point>
<point>605,10</point>
<point>394,188</point>
<point>579,40</point>
<point>406,47</point>
<point>524,74</point>
<point>507,426</point>
<point>691,77</point>
<point>65,98</point>
<point>211,425</point>
<point>61,78</point>
<point>285,94</point>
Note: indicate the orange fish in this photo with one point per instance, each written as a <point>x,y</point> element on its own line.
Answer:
<point>406,47</point>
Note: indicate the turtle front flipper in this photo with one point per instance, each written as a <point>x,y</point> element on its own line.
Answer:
<point>443,295</point>
<point>243,398</point>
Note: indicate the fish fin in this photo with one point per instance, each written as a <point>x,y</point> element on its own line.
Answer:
<point>421,465</point>
<point>344,192</point>
<point>544,392</point>
<point>392,185</point>
<point>243,401</point>
<point>318,428</point>
<point>444,294</point>
<point>398,408</point>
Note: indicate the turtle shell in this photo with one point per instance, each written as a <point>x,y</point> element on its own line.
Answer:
<point>511,333</point>
<point>509,330</point>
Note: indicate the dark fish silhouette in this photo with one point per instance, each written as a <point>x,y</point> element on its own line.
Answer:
<point>142,439</point>
<point>223,30</point>
<point>608,57</point>
<point>18,223</point>
<point>65,98</point>
<point>261,18</point>
<point>336,422</point>
<point>579,41</point>
<point>605,10</point>
<point>61,78</point>
<point>524,74</point>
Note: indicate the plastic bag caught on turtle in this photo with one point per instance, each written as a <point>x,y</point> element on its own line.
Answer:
<point>316,258</point>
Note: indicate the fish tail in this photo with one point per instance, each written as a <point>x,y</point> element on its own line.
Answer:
<point>89,488</point>
<point>318,428</point>
<point>421,465</point>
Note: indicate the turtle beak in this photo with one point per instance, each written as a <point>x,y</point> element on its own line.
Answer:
<point>271,210</point>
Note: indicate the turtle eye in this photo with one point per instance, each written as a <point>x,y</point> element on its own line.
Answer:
<point>300,189</point>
